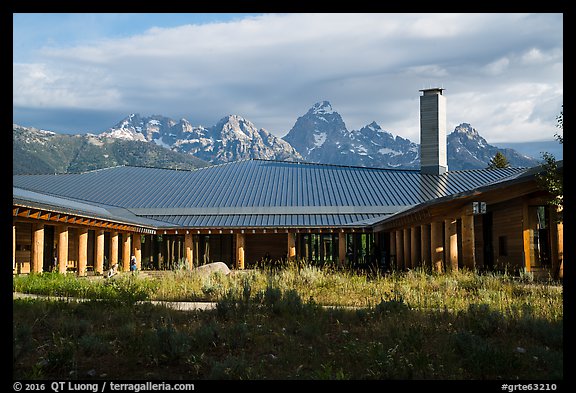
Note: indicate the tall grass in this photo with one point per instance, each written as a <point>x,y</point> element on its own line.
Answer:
<point>271,324</point>
<point>420,290</point>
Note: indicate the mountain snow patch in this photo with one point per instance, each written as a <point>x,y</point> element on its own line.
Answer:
<point>319,139</point>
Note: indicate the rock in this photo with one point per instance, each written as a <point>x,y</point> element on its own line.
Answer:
<point>210,268</point>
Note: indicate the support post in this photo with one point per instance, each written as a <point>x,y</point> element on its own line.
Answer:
<point>189,250</point>
<point>240,251</point>
<point>99,265</point>
<point>137,249</point>
<point>437,246</point>
<point>415,248</point>
<point>526,238</point>
<point>468,248</point>
<point>400,265</point>
<point>291,246</point>
<point>82,251</point>
<point>407,258</point>
<point>114,249</point>
<point>37,249</point>
<point>126,251</point>
<point>425,247</point>
<point>392,256</point>
<point>451,244</point>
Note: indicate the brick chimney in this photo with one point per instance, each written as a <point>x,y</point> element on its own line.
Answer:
<point>433,132</point>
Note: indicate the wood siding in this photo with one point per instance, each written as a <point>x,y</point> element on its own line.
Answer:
<point>257,246</point>
<point>507,224</point>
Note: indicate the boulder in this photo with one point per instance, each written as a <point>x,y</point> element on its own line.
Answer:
<point>210,268</point>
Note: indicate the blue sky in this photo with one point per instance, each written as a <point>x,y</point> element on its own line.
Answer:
<point>77,73</point>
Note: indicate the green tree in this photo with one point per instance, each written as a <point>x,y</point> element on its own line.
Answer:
<point>498,161</point>
<point>551,178</point>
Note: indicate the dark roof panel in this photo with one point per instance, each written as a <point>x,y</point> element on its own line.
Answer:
<point>253,188</point>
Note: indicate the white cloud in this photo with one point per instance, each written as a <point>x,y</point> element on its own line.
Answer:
<point>497,67</point>
<point>271,68</point>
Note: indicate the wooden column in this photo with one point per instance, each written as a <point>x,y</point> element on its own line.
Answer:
<point>291,246</point>
<point>400,249</point>
<point>560,250</point>
<point>468,249</point>
<point>82,251</point>
<point>137,249</point>
<point>126,252</point>
<point>436,246</point>
<point>13,246</point>
<point>451,245</point>
<point>37,248</point>
<point>407,258</point>
<point>114,249</point>
<point>425,254</point>
<point>392,256</point>
<point>188,243</point>
<point>196,247</point>
<point>415,258</point>
<point>342,249</point>
<point>556,245</point>
<point>240,251</point>
<point>62,256</point>
<point>99,265</point>
<point>526,238</point>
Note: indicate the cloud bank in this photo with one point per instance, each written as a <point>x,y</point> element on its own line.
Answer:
<point>503,73</point>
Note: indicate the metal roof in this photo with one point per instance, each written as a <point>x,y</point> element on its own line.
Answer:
<point>37,200</point>
<point>259,193</point>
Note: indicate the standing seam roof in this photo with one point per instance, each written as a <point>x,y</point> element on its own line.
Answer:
<point>250,184</point>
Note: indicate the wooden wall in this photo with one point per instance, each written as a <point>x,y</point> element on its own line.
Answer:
<point>507,223</point>
<point>258,245</point>
<point>23,246</point>
<point>479,241</point>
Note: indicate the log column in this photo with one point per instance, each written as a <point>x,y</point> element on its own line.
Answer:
<point>415,258</point>
<point>126,252</point>
<point>407,258</point>
<point>392,256</point>
<point>37,248</point>
<point>342,248</point>
<point>114,249</point>
<point>560,250</point>
<point>99,265</point>
<point>291,246</point>
<point>62,232</point>
<point>468,248</point>
<point>425,247</point>
<point>137,249</point>
<point>436,246</point>
<point>527,234</point>
<point>188,247</point>
<point>451,244</point>
<point>82,251</point>
<point>240,239</point>
<point>13,246</point>
<point>400,249</point>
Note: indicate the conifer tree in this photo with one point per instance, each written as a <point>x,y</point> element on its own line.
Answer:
<point>551,178</point>
<point>498,161</point>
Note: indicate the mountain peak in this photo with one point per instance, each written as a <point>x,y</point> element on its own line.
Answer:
<point>466,128</point>
<point>321,108</point>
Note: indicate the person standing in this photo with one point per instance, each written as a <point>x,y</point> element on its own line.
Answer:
<point>133,266</point>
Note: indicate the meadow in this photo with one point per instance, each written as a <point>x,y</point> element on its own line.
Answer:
<point>296,322</point>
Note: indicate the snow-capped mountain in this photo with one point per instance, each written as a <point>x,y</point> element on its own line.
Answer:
<point>466,149</point>
<point>321,136</point>
<point>37,151</point>
<point>232,138</point>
